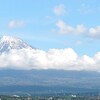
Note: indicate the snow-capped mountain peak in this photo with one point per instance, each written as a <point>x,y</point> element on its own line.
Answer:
<point>8,42</point>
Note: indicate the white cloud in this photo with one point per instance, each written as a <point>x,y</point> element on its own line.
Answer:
<point>59,10</point>
<point>66,59</point>
<point>63,28</point>
<point>94,32</point>
<point>16,23</point>
<point>80,29</point>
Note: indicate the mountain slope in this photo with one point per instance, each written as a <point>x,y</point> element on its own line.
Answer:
<point>7,43</point>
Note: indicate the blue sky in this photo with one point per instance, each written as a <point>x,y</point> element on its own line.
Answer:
<point>49,24</point>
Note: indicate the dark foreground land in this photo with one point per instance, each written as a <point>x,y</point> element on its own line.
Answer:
<point>70,97</point>
<point>47,93</point>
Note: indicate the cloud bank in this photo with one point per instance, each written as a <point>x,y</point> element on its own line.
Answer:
<point>60,59</point>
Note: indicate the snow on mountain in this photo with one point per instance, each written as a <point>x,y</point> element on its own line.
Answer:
<point>7,43</point>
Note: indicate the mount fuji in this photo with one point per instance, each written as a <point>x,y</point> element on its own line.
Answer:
<point>8,42</point>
